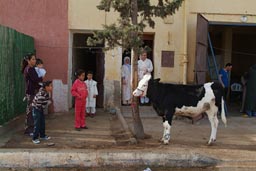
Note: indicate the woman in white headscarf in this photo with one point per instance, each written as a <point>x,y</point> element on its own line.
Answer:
<point>126,81</point>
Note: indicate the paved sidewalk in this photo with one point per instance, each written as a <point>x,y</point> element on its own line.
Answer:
<point>240,132</point>
<point>107,143</point>
<point>60,127</point>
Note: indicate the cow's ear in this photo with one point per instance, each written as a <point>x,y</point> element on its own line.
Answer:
<point>157,80</point>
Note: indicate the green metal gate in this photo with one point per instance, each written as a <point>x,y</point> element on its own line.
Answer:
<point>13,46</point>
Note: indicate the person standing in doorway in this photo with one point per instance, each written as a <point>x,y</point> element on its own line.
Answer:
<point>31,88</point>
<point>250,98</point>
<point>244,79</point>
<point>92,93</point>
<point>80,92</point>
<point>224,78</point>
<point>145,66</point>
<point>126,81</point>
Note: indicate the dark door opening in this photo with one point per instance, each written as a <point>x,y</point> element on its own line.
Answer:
<point>148,41</point>
<point>241,52</point>
<point>230,42</point>
<point>89,59</point>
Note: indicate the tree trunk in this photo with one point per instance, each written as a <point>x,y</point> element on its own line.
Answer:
<point>138,127</point>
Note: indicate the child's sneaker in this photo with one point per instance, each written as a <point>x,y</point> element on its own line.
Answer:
<point>77,129</point>
<point>84,127</point>
<point>36,141</point>
<point>45,138</point>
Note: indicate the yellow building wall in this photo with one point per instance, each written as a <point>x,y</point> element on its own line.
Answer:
<point>168,37</point>
<point>83,15</point>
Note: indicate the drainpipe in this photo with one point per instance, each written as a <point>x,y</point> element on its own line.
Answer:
<point>185,39</point>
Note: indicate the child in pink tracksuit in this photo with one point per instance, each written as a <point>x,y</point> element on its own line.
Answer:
<point>79,91</point>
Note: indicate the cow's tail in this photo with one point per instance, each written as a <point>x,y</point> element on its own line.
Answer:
<point>223,114</point>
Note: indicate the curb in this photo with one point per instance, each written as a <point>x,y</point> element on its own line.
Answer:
<point>99,158</point>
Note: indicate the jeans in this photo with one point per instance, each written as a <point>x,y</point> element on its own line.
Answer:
<point>250,113</point>
<point>29,122</point>
<point>39,123</point>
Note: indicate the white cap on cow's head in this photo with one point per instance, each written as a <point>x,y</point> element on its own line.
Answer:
<point>141,90</point>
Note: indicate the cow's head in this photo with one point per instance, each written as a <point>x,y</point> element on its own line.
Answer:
<point>141,90</point>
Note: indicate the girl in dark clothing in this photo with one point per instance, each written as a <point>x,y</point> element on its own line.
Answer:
<point>31,88</point>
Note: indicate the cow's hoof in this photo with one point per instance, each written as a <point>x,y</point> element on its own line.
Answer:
<point>209,143</point>
<point>166,142</point>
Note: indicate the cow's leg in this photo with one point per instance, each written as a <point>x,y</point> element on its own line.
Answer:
<point>167,123</point>
<point>212,115</point>
<point>162,139</point>
<point>215,122</point>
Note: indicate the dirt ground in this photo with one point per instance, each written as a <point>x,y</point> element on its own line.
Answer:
<point>60,127</point>
<point>239,134</point>
<point>105,131</point>
<point>235,145</point>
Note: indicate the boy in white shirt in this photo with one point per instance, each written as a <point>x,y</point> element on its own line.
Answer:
<point>92,93</point>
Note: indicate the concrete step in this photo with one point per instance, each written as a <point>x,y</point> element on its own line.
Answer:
<point>98,140</point>
<point>84,135</point>
<point>81,133</point>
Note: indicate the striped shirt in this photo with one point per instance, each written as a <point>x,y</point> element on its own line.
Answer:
<point>41,99</point>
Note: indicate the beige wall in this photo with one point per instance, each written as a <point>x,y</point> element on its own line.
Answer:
<point>83,15</point>
<point>168,37</point>
<point>222,6</point>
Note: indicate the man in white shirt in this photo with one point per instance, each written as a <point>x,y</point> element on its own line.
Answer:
<point>144,67</point>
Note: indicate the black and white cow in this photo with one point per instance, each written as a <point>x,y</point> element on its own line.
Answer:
<point>184,100</point>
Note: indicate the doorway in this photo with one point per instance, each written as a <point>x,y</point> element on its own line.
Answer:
<point>226,42</point>
<point>89,58</point>
<point>234,43</point>
<point>148,41</point>
<point>230,42</point>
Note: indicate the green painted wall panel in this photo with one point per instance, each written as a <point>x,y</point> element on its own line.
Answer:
<point>13,46</point>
